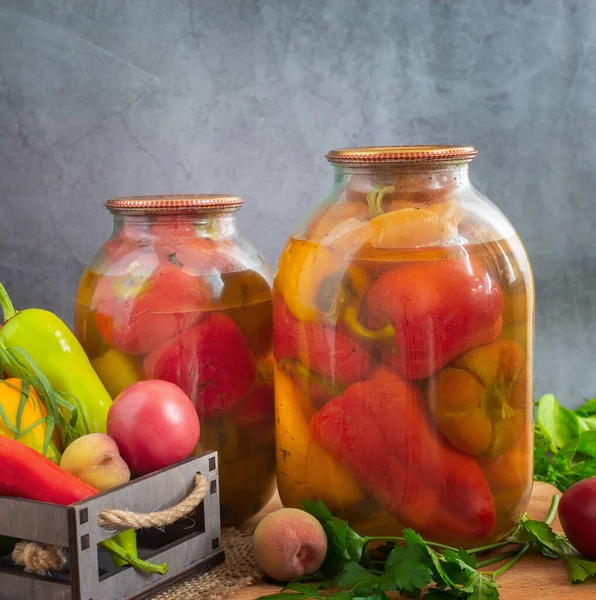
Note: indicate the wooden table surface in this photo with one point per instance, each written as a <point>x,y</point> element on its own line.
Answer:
<point>533,577</point>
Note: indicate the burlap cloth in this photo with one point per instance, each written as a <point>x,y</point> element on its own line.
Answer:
<point>238,571</point>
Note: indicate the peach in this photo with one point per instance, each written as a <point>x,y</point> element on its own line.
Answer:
<point>95,459</point>
<point>289,543</point>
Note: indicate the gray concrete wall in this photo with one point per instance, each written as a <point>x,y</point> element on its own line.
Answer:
<point>113,97</point>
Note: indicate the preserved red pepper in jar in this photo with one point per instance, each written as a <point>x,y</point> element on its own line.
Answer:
<point>403,342</point>
<point>177,294</point>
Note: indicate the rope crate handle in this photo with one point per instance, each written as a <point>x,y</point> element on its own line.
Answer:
<point>126,519</point>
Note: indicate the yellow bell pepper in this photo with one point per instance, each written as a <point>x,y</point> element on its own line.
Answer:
<point>316,281</point>
<point>32,421</point>
<point>479,401</point>
<point>116,372</point>
<point>304,468</point>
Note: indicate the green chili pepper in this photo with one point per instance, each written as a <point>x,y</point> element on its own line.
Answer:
<point>58,354</point>
<point>127,540</point>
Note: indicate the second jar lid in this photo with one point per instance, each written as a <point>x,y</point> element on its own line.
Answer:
<point>401,154</point>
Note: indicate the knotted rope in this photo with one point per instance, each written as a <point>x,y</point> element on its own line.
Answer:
<point>39,558</point>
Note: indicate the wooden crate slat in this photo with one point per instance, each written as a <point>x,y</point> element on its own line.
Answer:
<point>16,586</point>
<point>34,521</point>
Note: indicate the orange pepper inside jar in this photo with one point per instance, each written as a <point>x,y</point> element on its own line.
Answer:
<point>177,294</point>
<point>403,350</point>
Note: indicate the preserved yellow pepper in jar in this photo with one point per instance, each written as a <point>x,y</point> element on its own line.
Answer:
<point>177,294</point>
<point>403,343</point>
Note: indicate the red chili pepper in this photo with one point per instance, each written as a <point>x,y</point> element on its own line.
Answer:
<point>211,362</point>
<point>146,304</point>
<point>380,431</point>
<point>25,473</point>
<point>321,349</point>
<point>438,309</point>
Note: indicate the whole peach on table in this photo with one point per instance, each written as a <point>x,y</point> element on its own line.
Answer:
<point>289,543</point>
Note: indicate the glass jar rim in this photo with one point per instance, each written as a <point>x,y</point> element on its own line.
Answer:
<point>174,204</point>
<point>367,155</point>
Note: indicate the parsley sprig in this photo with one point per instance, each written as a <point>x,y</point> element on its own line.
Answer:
<point>417,568</point>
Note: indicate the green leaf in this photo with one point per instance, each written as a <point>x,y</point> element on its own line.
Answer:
<point>540,534</point>
<point>409,567</point>
<point>588,409</point>
<point>317,509</point>
<point>557,423</point>
<point>580,569</point>
<point>353,574</point>
<point>481,587</point>
<point>343,543</point>
<point>458,565</point>
<point>586,443</point>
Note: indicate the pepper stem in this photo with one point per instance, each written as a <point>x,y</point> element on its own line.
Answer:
<point>6,304</point>
<point>113,548</point>
<point>351,320</point>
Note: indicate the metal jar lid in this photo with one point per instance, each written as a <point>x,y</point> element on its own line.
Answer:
<point>174,204</point>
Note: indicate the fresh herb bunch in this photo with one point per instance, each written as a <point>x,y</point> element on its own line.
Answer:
<point>564,442</point>
<point>416,567</point>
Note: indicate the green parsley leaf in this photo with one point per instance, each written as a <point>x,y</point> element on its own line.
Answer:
<point>317,509</point>
<point>481,587</point>
<point>540,534</point>
<point>343,543</point>
<point>353,574</point>
<point>409,567</point>
<point>580,569</point>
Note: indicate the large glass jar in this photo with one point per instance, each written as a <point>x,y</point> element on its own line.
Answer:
<point>403,340</point>
<point>177,294</point>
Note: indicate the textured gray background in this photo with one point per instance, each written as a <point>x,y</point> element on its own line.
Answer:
<point>102,98</point>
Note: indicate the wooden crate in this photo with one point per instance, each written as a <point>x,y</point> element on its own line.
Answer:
<point>188,546</point>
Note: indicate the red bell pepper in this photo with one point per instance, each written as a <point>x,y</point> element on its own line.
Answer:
<point>380,431</point>
<point>439,310</point>
<point>322,349</point>
<point>211,362</point>
<point>151,302</point>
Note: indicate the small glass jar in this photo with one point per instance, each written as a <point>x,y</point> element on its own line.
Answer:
<point>177,294</point>
<point>403,340</point>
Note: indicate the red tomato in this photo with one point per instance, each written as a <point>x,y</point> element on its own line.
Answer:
<point>577,513</point>
<point>147,305</point>
<point>154,424</point>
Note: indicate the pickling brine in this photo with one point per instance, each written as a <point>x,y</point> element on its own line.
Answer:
<point>403,341</point>
<point>176,294</point>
